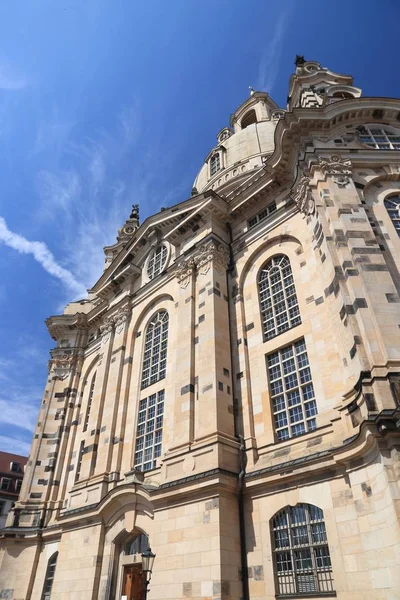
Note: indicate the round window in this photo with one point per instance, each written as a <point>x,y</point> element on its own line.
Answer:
<point>157,261</point>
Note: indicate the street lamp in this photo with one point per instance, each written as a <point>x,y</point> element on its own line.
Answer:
<point>147,568</point>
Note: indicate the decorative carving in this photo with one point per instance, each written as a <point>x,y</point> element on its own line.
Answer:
<point>184,271</point>
<point>117,321</point>
<point>211,252</point>
<point>61,363</point>
<point>303,196</point>
<point>120,318</point>
<point>338,167</point>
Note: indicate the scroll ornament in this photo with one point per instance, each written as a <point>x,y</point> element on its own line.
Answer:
<point>338,167</point>
<point>208,253</point>
<point>303,196</point>
<point>117,321</point>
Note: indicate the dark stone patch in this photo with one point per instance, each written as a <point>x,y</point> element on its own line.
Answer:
<point>202,290</point>
<point>202,304</point>
<point>314,442</point>
<point>282,452</point>
<point>214,291</point>
<point>373,267</point>
<point>128,360</point>
<point>187,589</point>
<point>239,375</point>
<point>138,334</point>
<point>392,298</point>
<point>196,340</point>
<point>309,299</point>
<point>249,326</point>
<point>187,388</point>
<point>323,258</point>
<point>201,318</point>
<point>366,489</point>
<point>351,272</point>
<point>207,387</point>
<point>188,299</point>
<point>319,300</point>
<point>303,263</point>
<point>363,250</point>
<point>118,350</point>
<point>353,351</point>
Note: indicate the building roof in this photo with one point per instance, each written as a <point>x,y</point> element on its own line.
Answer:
<point>6,458</point>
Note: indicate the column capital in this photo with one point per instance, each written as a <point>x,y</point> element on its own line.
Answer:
<point>211,252</point>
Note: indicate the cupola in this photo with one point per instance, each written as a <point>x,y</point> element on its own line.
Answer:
<point>241,147</point>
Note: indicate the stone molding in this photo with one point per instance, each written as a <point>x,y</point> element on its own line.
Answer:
<point>206,254</point>
<point>61,362</point>
<point>303,196</point>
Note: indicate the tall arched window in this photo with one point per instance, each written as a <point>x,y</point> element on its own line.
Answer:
<point>279,306</point>
<point>392,205</point>
<point>89,403</point>
<point>155,349</point>
<point>215,164</point>
<point>48,582</point>
<point>302,561</point>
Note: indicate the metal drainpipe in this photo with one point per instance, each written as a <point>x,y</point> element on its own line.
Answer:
<point>242,523</point>
<point>242,456</point>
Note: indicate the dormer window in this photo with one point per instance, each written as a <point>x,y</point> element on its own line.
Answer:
<point>248,119</point>
<point>215,163</point>
<point>15,467</point>
<point>379,138</point>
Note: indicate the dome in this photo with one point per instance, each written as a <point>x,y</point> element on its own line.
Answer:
<point>242,146</point>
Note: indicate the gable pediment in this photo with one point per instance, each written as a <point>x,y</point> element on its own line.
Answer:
<point>170,225</point>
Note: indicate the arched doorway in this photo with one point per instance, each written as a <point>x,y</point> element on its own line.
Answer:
<point>132,578</point>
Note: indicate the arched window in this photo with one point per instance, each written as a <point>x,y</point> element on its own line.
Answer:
<point>137,545</point>
<point>342,95</point>
<point>89,403</point>
<point>248,119</point>
<point>378,137</point>
<point>157,261</point>
<point>48,582</point>
<point>155,349</point>
<point>392,205</point>
<point>302,562</point>
<point>279,306</point>
<point>215,164</point>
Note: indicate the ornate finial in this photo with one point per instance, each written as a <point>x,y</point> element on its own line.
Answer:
<point>135,212</point>
<point>251,90</point>
<point>299,60</point>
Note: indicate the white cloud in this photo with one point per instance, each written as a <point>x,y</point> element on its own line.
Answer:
<point>14,446</point>
<point>42,255</point>
<point>18,413</point>
<point>10,80</point>
<point>269,66</point>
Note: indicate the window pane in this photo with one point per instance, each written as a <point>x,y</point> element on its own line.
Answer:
<point>154,363</point>
<point>149,432</point>
<point>277,296</point>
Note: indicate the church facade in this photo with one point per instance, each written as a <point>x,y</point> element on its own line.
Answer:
<point>229,392</point>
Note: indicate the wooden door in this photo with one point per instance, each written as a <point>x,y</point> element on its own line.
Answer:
<point>133,584</point>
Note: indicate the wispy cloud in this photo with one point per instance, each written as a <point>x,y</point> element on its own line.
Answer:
<point>270,62</point>
<point>42,255</point>
<point>21,414</point>
<point>14,445</point>
<point>58,192</point>
<point>10,80</point>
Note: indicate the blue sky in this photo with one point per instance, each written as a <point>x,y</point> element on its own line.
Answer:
<point>106,103</point>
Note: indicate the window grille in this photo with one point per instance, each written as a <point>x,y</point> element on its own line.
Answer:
<point>301,553</point>
<point>292,391</point>
<point>392,205</point>
<point>137,545</point>
<point>89,404</point>
<point>155,349</point>
<point>215,164</point>
<point>48,582</point>
<point>279,306</point>
<point>157,261</point>
<point>377,137</point>
<point>262,215</point>
<point>149,431</point>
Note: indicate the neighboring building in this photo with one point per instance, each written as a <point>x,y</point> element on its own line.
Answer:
<point>12,467</point>
<point>230,390</point>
